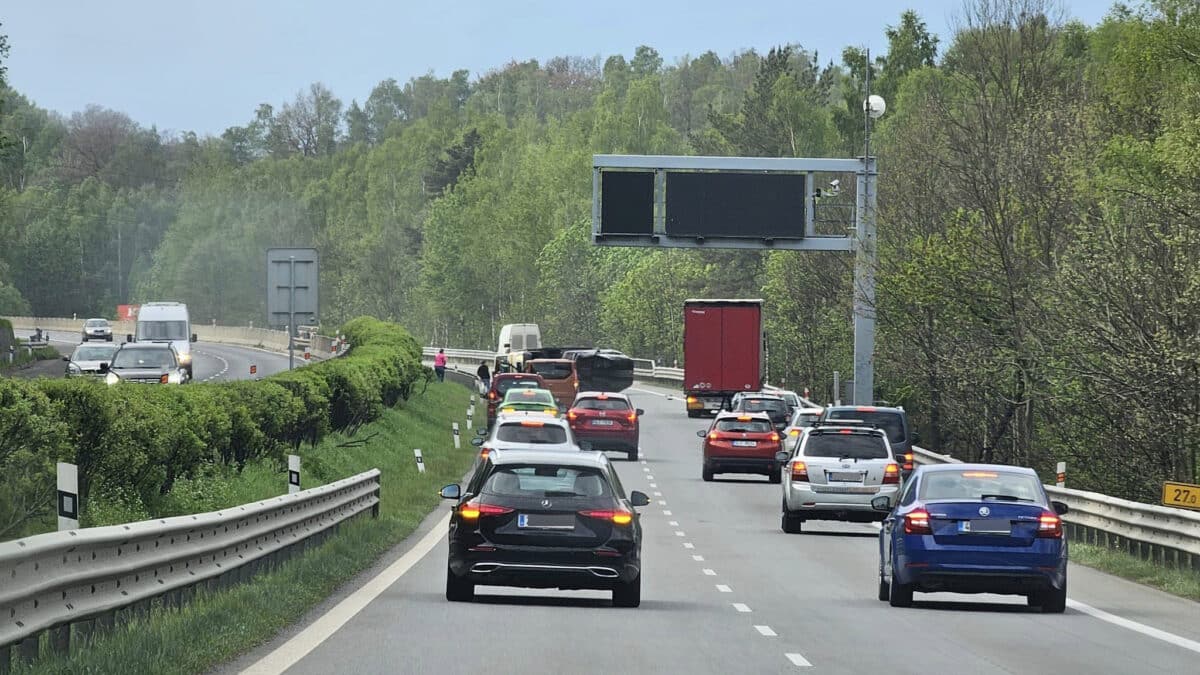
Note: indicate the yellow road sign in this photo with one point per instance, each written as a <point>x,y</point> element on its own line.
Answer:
<point>1183,495</point>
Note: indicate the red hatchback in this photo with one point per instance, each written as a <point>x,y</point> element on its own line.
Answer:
<point>605,421</point>
<point>502,382</point>
<point>741,443</point>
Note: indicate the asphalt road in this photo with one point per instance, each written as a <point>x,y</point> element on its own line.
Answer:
<point>213,361</point>
<point>725,591</point>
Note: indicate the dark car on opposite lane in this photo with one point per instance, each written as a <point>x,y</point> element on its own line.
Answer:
<point>973,528</point>
<point>544,519</point>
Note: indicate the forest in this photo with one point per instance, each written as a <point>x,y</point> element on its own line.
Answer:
<point>1039,275</point>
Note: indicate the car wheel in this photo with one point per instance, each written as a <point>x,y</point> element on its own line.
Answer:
<point>899,595</point>
<point>693,413</point>
<point>707,474</point>
<point>84,339</point>
<point>628,594</point>
<point>1053,601</point>
<point>775,476</point>
<point>633,455</point>
<point>458,590</point>
<point>109,338</point>
<point>885,590</point>
<point>788,522</point>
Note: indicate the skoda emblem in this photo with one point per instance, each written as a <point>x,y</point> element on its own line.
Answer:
<point>983,511</point>
<point>546,503</point>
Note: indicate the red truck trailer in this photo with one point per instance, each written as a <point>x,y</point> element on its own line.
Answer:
<point>722,352</point>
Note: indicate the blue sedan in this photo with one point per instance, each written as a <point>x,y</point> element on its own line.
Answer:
<point>973,528</point>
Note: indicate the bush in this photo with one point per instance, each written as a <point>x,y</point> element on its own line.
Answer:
<point>32,439</point>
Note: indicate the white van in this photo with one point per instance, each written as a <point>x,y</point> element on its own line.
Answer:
<point>167,322</point>
<point>519,337</point>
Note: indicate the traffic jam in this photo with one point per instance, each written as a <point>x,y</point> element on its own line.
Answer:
<point>544,507</point>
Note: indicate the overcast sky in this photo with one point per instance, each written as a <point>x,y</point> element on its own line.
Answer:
<point>204,65</point>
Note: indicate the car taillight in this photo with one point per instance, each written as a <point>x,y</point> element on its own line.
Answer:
<point>891,474</point>
<point>632,417</point>
<point>616,517</point>
<point>1049,525</point>
<point>799,471</point>
<point>493,396</point>
<point>164,379</point>
<point>908,461</point>
<point>774,437</point>
<point>473,510</point>
<point>713,436</point>
<point>793,433</point>
<point>917,522</point>
<point>572,415</point>
<point>483,452</point>
<point>691,399</point>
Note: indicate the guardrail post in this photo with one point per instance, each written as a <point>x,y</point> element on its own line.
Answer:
<point>84,631</point>
<point>60,639</point>
<point>28,650</point>
<point>5,660</point>
<point>106,621</point>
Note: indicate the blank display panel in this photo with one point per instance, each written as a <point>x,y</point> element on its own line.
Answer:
<point>743,205</point>
<point>627,202</point>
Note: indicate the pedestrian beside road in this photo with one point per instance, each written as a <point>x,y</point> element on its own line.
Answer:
<point>439,365</point>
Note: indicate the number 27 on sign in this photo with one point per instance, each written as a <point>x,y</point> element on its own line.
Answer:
<point>1183,495</point>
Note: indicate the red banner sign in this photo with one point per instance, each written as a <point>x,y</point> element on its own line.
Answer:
<point>127,312</point>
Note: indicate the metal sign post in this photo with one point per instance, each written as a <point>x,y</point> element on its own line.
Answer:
<point>292,292</point>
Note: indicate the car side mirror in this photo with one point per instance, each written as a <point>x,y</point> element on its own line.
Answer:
<point>638,498</point>
<point>129,337</point>
<point>67,359</point>
<point>782,456</point>
<point>477,441</point>
<point>640,412</point>
<point>103,368</point>
<point>481,432</point>
<point>1060,508</point>
<point>451,491</point>
<point>882,503</point>
<point>701,433</point>
<point>194,338</point>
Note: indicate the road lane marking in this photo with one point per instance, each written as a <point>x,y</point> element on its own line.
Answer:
<point>765,631</point>
<point>724,589</point>
<point>643,461</point>
<point>798,660</point>
<point>709,572</point>
<point>295,649</point>
<point>679,533</point>
<point>657,493</point>
<point>649,477</point>
<point>646,469</point>
<point>652,393</point>
<point>666,513</point>
<point>662,502</point>
<point>741,607</point>
<point>698,558</point>
<point>654,485</point>
<point>673,523</point>
<point>689,545</point>
<point>1134,626</point>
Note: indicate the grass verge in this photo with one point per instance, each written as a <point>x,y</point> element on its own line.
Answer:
<point>216,627</point>
<point>1182,582</point>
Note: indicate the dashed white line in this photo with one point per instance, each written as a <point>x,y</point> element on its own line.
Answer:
<point>666,513</point>
<point>724,589</point>
<point>646,469</point>
<point>662,502</point>
<point>765,631</point>
<point>798,660</point>
<point>649,477</point>
<point>654,485</point>
<point>698,558</point>
<point>643,461</point>
<point>679,533</point>
<point>657,493</point>
<point>673,523</point>
<point>709,572</point>
<point>741,607</point>
<point>688,545</point>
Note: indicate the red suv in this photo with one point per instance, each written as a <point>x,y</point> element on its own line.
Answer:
<point>605,421</point>
<point>741,443</point>
<point>502,382</point>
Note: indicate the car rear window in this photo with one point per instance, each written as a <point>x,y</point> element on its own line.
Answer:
<point>852,446</point>
<point>143,358</point>
<point>527,395</point>
<point>805,419</point>
<point>547,481</point>
<point>505,384</point>
<point>515,432</point>
<point>750,427</point>
<point>980,485</point>
<point>767,405</point>
<point>552,371</point>
<point>602,404</point>
<point>890,422</point>
<point>87,353</point>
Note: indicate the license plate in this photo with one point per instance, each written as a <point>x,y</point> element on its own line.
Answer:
<point>602,423</point>
<point>985,526</point>
<point>542,521</point>
<point>846,476</point>
<point>845,489</point>
<point>745,444</point>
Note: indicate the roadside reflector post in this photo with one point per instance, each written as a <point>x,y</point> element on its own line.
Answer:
<point>1060,478</point>
<point>293,474</point>
<point>420,461</point>
<point>307,355</point>
<point>253,369</point>
<point>68,497</point>
<point>470,416</point>
<point>457,438</point>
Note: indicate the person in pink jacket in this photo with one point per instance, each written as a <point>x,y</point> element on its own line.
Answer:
<point>439,365</point>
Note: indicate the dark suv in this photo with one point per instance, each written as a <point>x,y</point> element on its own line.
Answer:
<point>893,421</point>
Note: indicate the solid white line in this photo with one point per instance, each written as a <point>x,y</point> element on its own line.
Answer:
<point>673,523</point>
<point>698,558</point>
<point>709,573</point>
<point>679,533</point>
<point>765,631</point>
<point>1149,631</point>
<point>689,545</point>
<point>290,652</point>
<point>741,607</point>
<point>798,660</point>
<point>724,589</point>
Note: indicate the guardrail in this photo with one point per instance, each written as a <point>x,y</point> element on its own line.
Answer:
<point>81,578</point>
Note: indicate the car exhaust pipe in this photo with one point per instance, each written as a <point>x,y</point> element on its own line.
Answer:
<point>485,568</point>
<point>604,572</point>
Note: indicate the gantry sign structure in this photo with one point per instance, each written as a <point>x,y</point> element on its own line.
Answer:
<point>757,203</point>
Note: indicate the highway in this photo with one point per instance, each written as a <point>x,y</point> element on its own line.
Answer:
<point>724,591</point>
<point>214,361</point>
